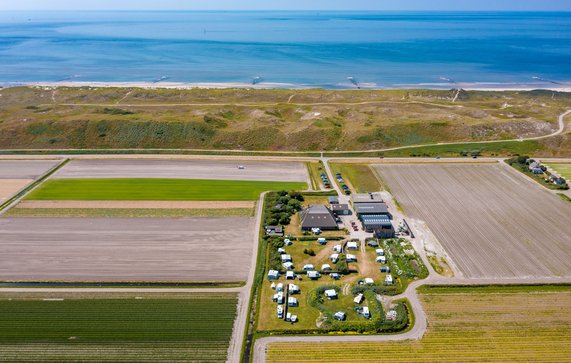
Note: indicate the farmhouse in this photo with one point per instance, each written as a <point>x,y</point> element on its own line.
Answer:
<point>380,225</point>
<point>340,209</point>
<point>274,230</point>
<point>317,216</point>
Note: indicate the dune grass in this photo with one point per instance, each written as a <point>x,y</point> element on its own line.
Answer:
<point>156,189</point>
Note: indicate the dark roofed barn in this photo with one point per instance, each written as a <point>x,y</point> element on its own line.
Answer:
<point>317,216</point>
<point>340,209</point>
<point>364,209</point>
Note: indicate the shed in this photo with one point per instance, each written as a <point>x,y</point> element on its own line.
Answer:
<point>290,275</point>
<point>365,209</point>
<point>380,225</point>
<point>331,294</point>
<point>341,209</point>
<point>273,275</point>
<point>317,216</point>
<point>366,198</point>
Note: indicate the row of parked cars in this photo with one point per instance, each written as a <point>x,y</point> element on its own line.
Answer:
<point>344,186</point>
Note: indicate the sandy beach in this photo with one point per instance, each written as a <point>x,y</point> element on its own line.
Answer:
<point>491,87</point>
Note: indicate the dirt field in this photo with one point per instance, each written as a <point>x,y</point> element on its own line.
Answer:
<point>132,204</point>
<point>25,169</point>
<point>185,169</point>
<point>492,221</point>
<point>101,249</point>
<point>9,187</point>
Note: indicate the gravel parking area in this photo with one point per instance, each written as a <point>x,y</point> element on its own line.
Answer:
<point>104,249</point>
<point>493,221</point>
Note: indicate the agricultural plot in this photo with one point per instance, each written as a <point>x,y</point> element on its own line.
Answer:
<point>185,169</point>
<point>132,328</point>
<point>470,325</point>
<point>192,249</point>
<point>492,221</point>
<point>16,174</point>
<point>156,189</point>
<point>563,169</point>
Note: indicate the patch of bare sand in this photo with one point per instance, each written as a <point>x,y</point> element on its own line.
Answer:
<point>134,204</point>
<point>9,187</point>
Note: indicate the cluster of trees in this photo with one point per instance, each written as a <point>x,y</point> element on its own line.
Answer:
<point>281,206</point>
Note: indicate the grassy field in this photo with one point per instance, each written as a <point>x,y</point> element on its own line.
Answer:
<point>128,213</point>
<point>315,169</point>
<point>563,169</point>
<point>473,324</point>
<point>270,120</point>
<point>156,189</point>
<point>358,176</point>
<point>74,327</point>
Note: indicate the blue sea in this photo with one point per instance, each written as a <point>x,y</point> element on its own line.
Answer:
<point>289,49</point>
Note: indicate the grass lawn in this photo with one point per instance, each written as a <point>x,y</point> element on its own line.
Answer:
<point>563,169</point>
<point>465,325</point>
<point>315,169</point>
<point>156,189</point>
<point>360,177</point>
<point>149,328</point>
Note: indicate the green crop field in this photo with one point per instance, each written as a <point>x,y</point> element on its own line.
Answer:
<point>563,169</point>
<point>128,212</point>
<point>465,325</point>
<point>156,189</point>
<point>133,329</point>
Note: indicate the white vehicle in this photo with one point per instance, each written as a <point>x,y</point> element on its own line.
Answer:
<point>339,315</point>
<point>308,267</point>
<point>241,167</point>
<point>358,299</point>
<point>337,248</point>
<point>334,257</point>
<point>280,312</point>
<point>380,252</point>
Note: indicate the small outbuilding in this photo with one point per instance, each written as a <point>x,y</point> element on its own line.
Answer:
<point>274,230</point>
<point>341,209</point>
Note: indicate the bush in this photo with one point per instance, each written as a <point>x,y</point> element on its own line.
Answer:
<point>309,252</point>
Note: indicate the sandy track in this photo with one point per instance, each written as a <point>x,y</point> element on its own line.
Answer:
<point>104,249</point>
<point>25,169</point>
<point>9,187</point>
<point>131,204</point>
<point>185,169</point>
<point>491,220</point>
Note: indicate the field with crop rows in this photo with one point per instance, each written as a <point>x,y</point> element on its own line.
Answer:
<point>189,329</point>
<point>156,189</point>
<point>492,221</point>
<point>508,325</point>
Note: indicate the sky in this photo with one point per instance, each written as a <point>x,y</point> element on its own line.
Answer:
<point>514,5</point>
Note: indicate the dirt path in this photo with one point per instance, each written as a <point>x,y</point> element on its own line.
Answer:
<point>135,204</point>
